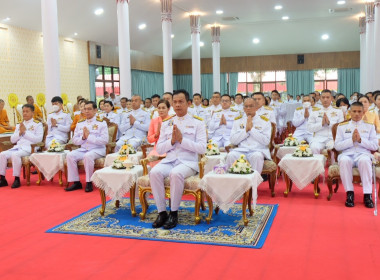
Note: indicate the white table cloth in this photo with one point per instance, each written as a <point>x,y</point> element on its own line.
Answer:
<point>285,150</point>
<point>302,170</point>
<point>290,109</point>
<point>214,160</point>
<point>116,182</point>
<point>135,158</point>
<point>49,163</point>
<point>226,189</point>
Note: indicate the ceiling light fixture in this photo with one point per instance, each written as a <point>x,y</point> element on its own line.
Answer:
<point>219,12</point>
<point>142,26</point>
<point>285,17</point>
<point>256,40</point>
<point>75,34</point>
<point>278,7</point>
<point>341,2</point>
<point>201,44</point>
<point>99,12</point>
<point>325,36</point>
<point>7,19</point>
<point>172,36</point>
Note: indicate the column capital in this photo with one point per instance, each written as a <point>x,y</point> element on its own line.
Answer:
<point>195,23</point>
<point>166,10</point>
<point>122,1</point>
<point>370,11</point>
<point>362,25</point>
<point>215,34</point>
<point>377,3</point>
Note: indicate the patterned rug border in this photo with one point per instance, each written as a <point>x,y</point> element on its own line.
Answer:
<point>259,245</point>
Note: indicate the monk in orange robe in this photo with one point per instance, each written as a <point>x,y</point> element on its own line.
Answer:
<point>37,111</point>
<point>4,121</point>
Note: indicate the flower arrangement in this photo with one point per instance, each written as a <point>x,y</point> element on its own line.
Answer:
<point>118,163</point>
<point>241,166</point>
<point>127,149</point>
<point>291,141</point>
<point>303,150</point>
<point>55,147</point>
<point>212,149</point>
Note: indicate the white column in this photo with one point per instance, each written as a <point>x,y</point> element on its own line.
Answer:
<point>196,52</point>
<point>370,65</point>
<point>363,58</point>
<point>51,50</point>
<point>124,48</point>
<point>166,19</point>
<point>215,34</point>
<point>376,83</point>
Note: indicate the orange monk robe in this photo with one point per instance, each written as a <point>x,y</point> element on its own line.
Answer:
<point>76,119</point>
<point>4,121</point>
<point>37,113</point>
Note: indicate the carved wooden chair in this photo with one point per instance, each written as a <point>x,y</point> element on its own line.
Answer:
<point>191,187</point>
<point>99,163</point>
<point>26,164</point>
<point>334,172</point>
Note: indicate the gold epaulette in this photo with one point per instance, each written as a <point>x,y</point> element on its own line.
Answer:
<point>238,117</point>
<point>233,110</point>
<point>203,106</point>
<point>264,118</point>
<point>191,106</point>
<point>218,111</point>
<point>343,123</point>
<point>36,121</point>
<point>99,119</point>
<point>368,122</point>
<point>168,118</point>
<point>198,118</point>
<point>316,109</point>
<point>81,120</point>
<point>268,108</point>
<point>335,107</point>
<point>299,108</point>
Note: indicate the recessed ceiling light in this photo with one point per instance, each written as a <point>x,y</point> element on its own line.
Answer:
<point>75,34</point>
<point>325,36</point>
<point>201,44</point>
<point>142,26</point>
<point>341,2</point>
<point>285,17</point>
<point>172,36</point>
<point>256,40</point>
<point>7,19</point>
<point>219,12</point>
<point>99,12</point>
<point>278,7</point>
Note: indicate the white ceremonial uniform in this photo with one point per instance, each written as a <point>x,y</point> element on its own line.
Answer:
<point>133,134</point>
<point>220,134</point>
<point>300,122</point>
<point>59,132</point>
<point>280,110</point>
<point>116,101</point>
<point>267,112</point>
<point>150,109</point>
<point>154,113</point>
<point>202,112</point>
<point>181,159</point>
<point>191,110</point>
<point>114,118</point>
<point>92,148</point>
<point>253,144</point>
<point>33,134</point>
<point>356,154</point>
<point>122,110</point>
<point>239,107</point>
<point>322,135</point>
<point>211,109</point>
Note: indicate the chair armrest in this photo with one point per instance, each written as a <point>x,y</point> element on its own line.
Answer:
<point>7,145</point>
<point>144,162</point>
<point>201,165</point>
<point>336,154</point>
<point>34,146</point>
<point>276,148</point>
<point>71,147</point>
<point>110,148</point>
<point>144,149</point>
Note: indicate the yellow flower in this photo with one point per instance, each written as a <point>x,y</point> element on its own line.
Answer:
<point>123,158</point>
<point>124,147</point>
<point>303,148</point>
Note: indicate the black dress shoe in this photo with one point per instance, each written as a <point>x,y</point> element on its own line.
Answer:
<point>350,199</point>
<point>34,172</point>
<point>160,220</point>
<point>368,202</point>
<point>75,186</point>
<point>16,184</point>
<point>89,187</point>
<point>3,182</point>
<point>172,221</point>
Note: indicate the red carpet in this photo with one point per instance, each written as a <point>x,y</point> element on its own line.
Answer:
<point>310,239</point>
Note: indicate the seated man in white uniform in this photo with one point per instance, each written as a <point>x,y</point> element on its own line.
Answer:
<point>356,139</point>
<point>280,110</point>
<point>182,138</point>
<point>123,103</point>
<point>58,123</point>
<point>134,125</point>
<point>200,110</point>
<point>92,136</point>
<point>263,110</point>
<point>115,99</point>
<point>239,104</point>
<point>300,119</point>
<point>215,103</point>
<point>321,121</point>
<point>221,123</point>
<point>28,132</point>
<point>251,133</point>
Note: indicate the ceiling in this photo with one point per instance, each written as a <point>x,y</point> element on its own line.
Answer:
<point>308,21</point>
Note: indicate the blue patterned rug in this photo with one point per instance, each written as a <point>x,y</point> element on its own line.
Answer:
<point>224,229</point>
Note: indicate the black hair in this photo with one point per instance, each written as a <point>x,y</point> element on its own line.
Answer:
<point>155,96</point>
<point>258,93</point>
<point>148,99</point>
<point>165,102</point>
<point>358,104</point>
<point>239,94</point>
<point>124,98</point>
<point>92,103</point>
<point>363,96</point>
<point>30,106</point>
<point>57,99</point>
<point>342,100</point>
<point>326,90</point>
<point>110,103</point>
<point>217,92</point>
<point>197,94</point>
<point>208,103</point>
<point>179,91</point>
<point>227,96</point>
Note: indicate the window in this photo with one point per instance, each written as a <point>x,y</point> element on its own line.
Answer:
<point>107,79</point>
<point>326,79</point>
<point>250,82</point>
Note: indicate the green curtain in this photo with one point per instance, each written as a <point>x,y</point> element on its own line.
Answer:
<point>298,82</point>
<point>146,83</point>
<point>183,82</point>
<point>348,81</point>
<point>92,72</point>
<point>223,83</point>
<point>233,83</point>
<point>207,85</point>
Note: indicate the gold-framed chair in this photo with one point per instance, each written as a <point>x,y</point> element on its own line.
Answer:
<point>191,188</point>
<point>334,172</point>
<point>26,164</point>
<point>99,163</point>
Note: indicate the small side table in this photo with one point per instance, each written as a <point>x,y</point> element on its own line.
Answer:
<point>115,183</point>
<point>301,171</point>
<point>214,160</point>
<point>225,189</point>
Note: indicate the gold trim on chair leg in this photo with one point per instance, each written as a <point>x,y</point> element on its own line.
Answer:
<point>143,202</point>
<point>210,208</point>
<point>39,177</point>
<point>329,185</point>
<point>316,187</point>
<point>60,178</point>
<point>198,197</point>
<point>272,183</point>
<point>287,182</point>
<point>250,202</point>
<point>103,199</point>
<point>27,174</point>
<point>244,206</point>
<point>132,197</point>
<point>66,176</point>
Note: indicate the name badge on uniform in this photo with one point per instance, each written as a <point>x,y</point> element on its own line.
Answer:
<point>170,122</point>
<point>320,115</point>
<point>31,128</point>
<point>348,131</point>
<point>333,114</point>
<point>189,126</point>
<point>95,127</point>
<point>142,122</point>
<point>258,127</point>
<point>242,126</point>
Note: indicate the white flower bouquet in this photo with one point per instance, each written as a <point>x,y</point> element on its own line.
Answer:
<point>55,147</point>
<point>212,149</point>
<point>241,166</point>
<point>127,149</point>
<point>118,163</point>
<point>291,141</point>
<point>303,150</point>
